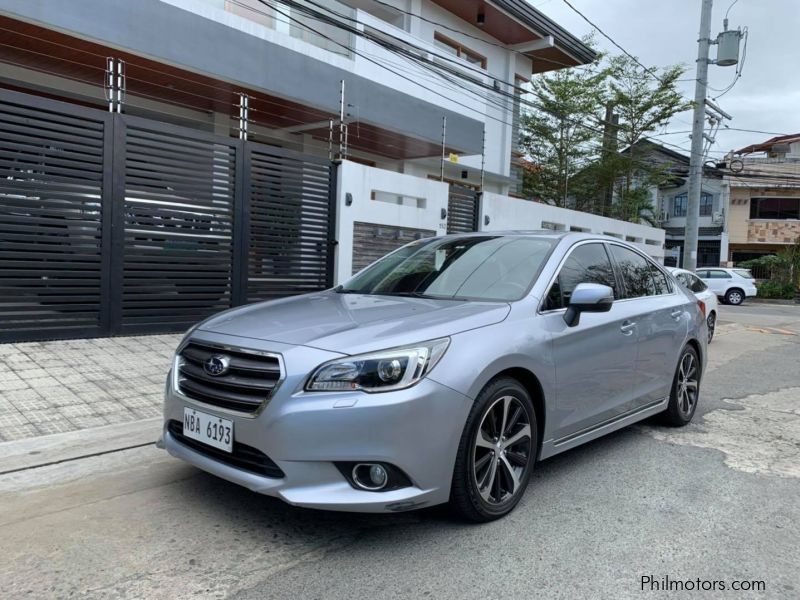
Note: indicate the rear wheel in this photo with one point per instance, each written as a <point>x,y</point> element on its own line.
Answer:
<point>685,390</point>
<point>711,321</point>
<point>734,296</point>
<point>496,453</point>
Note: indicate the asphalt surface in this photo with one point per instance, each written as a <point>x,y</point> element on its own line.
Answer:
<point>717,501</point>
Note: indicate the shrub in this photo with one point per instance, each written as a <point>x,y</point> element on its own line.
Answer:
<point>774,289</point>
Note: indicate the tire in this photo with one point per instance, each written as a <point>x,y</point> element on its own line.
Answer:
<point>473,496</point>
<point>711,321</point>
<point>734,296</point>
<point>682,399</point>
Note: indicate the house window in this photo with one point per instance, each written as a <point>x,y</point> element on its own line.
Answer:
<point>457,49</point>
<point>679,206</point>
<point>681,201</point>
<point>706,205</point>
<point>775,208</point>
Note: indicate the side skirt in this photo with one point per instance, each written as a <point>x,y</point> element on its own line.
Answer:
<point>553,447</point>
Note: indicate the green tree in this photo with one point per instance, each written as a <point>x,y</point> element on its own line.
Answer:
<point>644,104</point>
<point>560,135</point>
<point>563,136</point>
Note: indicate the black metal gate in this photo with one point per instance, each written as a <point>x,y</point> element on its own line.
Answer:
<point>114,224</point>
<point>462,209</point>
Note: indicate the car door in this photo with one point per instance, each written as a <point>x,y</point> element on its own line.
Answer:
<point>717,281</point>
<point>595,360</point>
<point>661,319</point>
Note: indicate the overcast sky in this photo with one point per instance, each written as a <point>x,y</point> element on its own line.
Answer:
<point>662,32</point>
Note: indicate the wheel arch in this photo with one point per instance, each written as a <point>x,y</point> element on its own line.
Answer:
<point>533,386</point>
<point>698,348</point>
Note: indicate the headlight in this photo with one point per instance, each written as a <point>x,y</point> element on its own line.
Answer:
<point>382,371</point>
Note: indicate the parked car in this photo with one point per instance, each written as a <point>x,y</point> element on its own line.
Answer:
<point>731,285</point>
<point>696,285</point>
<point>442,372</point>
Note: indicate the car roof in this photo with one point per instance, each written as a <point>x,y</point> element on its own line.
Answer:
<point>545,233</point>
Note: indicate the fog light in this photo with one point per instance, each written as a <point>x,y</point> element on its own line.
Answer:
<point>370,477</point>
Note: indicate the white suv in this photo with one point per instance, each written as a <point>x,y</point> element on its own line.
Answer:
<point>731,285</point>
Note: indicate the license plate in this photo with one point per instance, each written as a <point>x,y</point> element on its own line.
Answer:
<point>208,429</point>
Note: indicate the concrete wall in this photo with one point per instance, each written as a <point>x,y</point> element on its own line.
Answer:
<point>383,197</point>
<point>398,200</point>
<point>505,213</point>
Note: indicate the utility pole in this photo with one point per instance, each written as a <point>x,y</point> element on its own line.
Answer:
<point>696,159</point>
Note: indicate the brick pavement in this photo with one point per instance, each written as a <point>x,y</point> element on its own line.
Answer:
<point>58,386</point>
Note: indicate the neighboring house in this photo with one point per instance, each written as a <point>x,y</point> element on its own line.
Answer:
<point>764,213</point>
<point>670,202</point>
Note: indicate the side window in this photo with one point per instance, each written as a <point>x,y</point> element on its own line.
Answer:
<point>684,279</point>
<point>660,280</point>
<point>697,284</point>
<point>588,263</point>
<point>716,274</point>
<point>635,271</point>
<point>702,274</point>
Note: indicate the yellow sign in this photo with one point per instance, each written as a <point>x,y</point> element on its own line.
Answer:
<point>453,157</point>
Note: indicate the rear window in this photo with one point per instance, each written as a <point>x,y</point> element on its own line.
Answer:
<point>743,273</point>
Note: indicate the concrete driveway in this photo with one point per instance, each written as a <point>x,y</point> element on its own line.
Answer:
<point>714,502</point>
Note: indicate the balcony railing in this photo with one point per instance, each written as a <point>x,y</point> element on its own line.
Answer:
<point>298,23</point>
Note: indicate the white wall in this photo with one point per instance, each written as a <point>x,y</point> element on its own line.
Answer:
<point>401,201</point>
<point>506,213</point>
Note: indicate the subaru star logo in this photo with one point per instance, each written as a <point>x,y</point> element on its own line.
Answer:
<point>216,365</point>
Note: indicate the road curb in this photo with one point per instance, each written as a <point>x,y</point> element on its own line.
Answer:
<point>49,449</point>
<point>775,301</point>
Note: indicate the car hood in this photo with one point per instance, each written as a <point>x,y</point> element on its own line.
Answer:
<point>354,323</point>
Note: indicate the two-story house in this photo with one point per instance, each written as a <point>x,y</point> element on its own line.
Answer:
<point>161,160</point>
<point>669,202</point>
<point>764,212</point>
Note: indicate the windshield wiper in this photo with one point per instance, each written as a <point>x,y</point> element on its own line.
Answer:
<point>418,295</point>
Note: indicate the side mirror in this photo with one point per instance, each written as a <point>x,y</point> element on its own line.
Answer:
<point>588,297</point>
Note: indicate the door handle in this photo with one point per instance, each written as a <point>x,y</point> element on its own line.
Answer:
<point>676,314</point>
<point>627,327</point>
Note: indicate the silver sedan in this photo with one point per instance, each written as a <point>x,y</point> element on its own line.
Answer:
<point>441,373</point>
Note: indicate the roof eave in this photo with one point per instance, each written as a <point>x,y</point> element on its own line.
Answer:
<point>564,40</point>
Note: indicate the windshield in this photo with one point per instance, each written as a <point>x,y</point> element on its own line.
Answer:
<point>743,273</point>
<point>475,267</point>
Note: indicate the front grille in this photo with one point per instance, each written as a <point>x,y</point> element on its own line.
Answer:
<point>245,386</point>
<point>243,457</point>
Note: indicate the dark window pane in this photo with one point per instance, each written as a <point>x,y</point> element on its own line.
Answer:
<point>660,280</point>
<point>775,208</point>
<point>635,272</point>
<point>679,206</point>
<point>697,284</point>
<point>587,263</point>
<point>706,205</point>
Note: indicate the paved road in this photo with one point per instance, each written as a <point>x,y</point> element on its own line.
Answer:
<point>717,500</point>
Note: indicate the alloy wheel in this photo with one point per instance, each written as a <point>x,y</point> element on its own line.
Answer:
<point>688,384</point>
<point>734,298</point>
<point>502,450</point>
<point>711,321</point>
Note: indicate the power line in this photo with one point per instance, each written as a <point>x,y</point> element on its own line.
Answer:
<point>613,41</point>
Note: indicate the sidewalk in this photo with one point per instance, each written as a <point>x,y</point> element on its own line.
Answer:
<point>61,386</point>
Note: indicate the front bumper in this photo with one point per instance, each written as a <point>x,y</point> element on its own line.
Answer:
<point>417,430</point>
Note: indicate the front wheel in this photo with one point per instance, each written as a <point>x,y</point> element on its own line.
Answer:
<point>685,390</point>
<point>734,296</point>
<point>496,453</point>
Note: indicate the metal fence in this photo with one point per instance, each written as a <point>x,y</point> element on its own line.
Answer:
<point>114,224</point>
